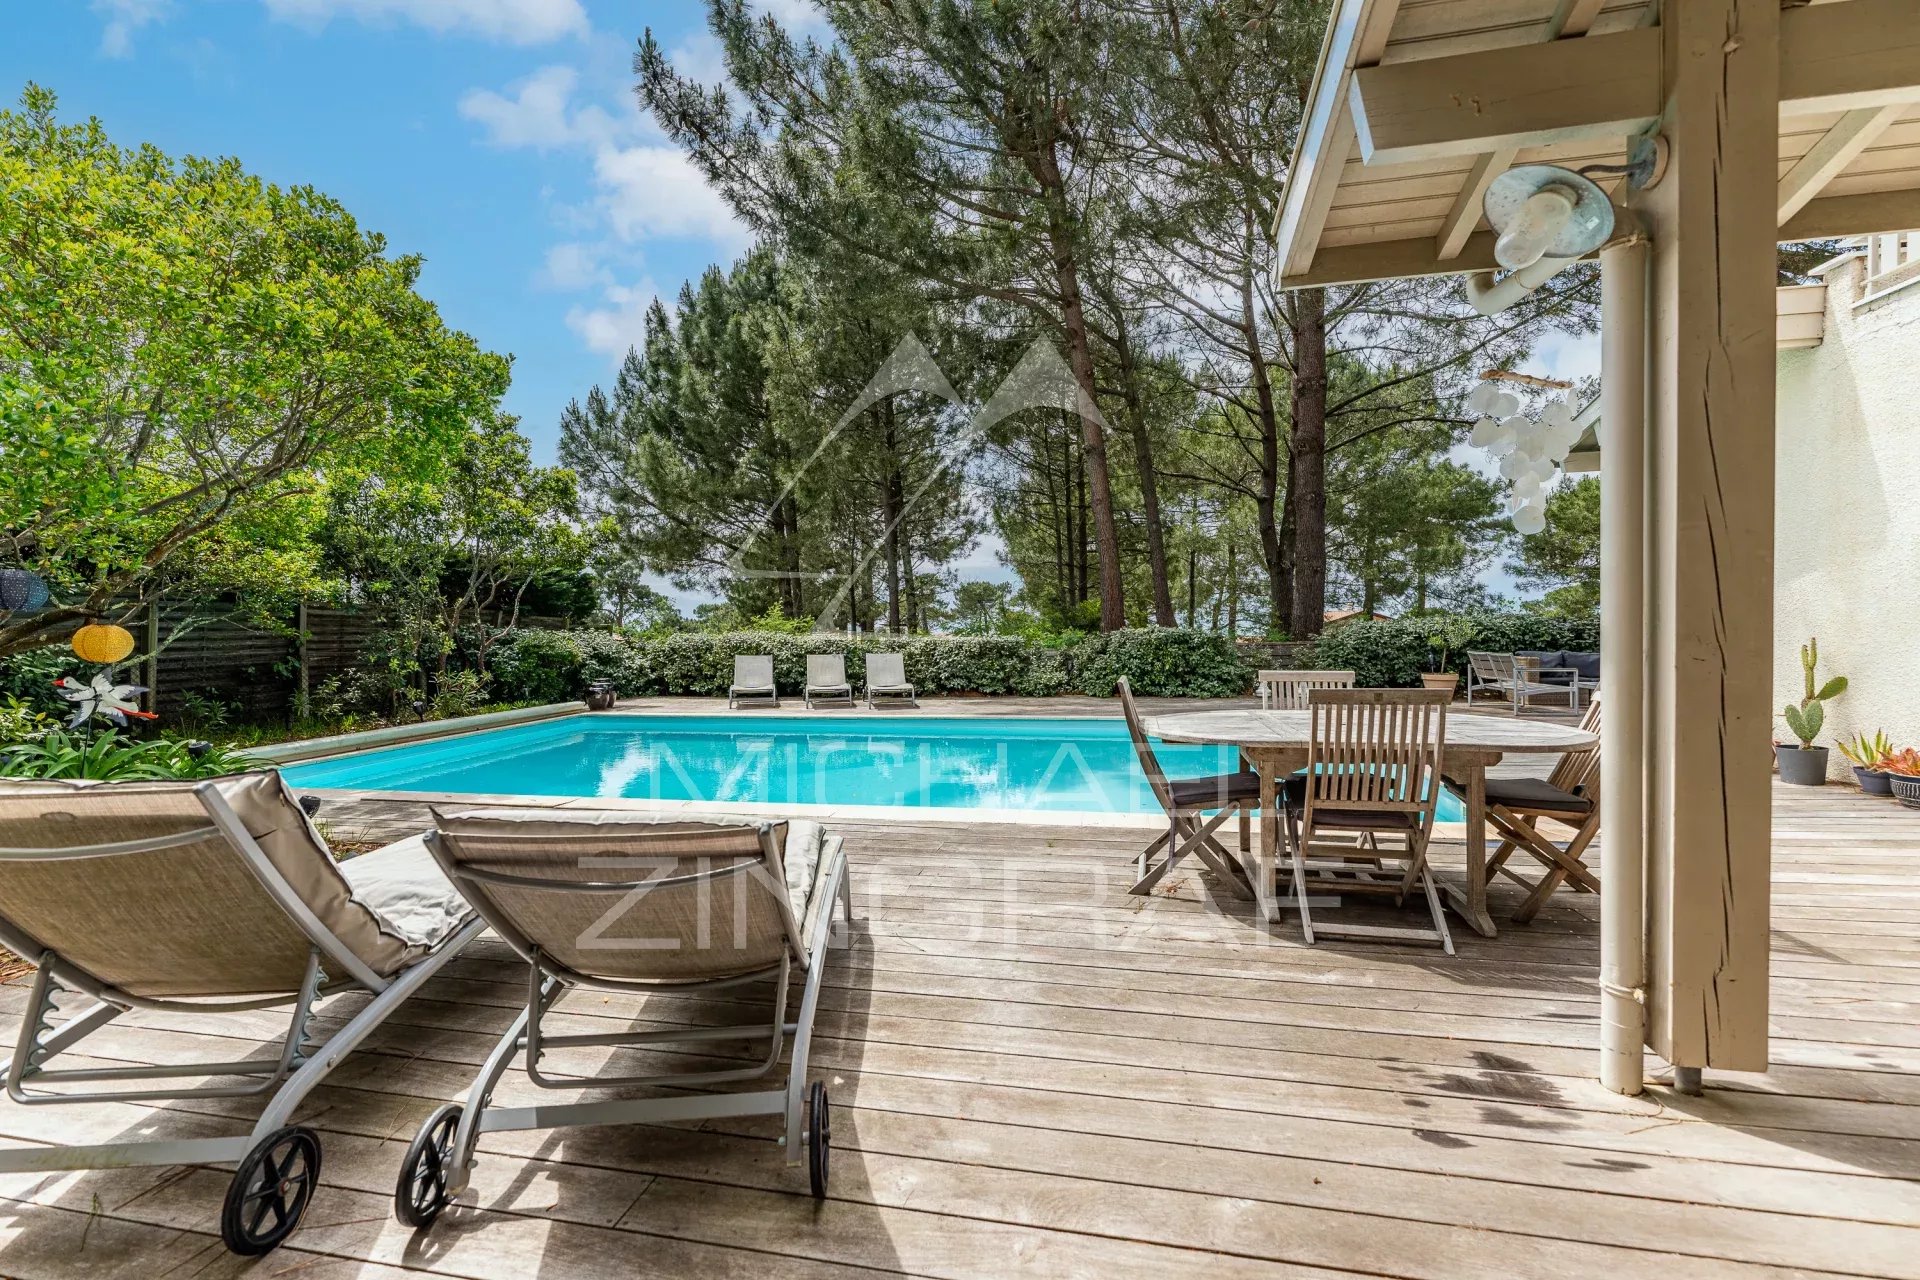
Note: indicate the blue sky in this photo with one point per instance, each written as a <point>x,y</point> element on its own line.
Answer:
<point>498,138</point>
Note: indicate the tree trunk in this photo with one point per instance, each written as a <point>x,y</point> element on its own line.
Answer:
<point>1073,319</point>
<point>1143,462</point>
<point>1233,596</point>
<point>1274,547</point>
<point>1307,462</point>
<point>892,507</point>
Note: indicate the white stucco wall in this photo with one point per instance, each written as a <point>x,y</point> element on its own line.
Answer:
<point>1848,525</point>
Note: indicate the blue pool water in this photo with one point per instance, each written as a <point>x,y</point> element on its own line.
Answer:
<point>923,761</point>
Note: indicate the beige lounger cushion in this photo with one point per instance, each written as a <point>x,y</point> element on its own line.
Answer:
<point>194,920</point>
<point>723,926</point>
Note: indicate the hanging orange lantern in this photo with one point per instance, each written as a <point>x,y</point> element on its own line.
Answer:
<point>102,642</point>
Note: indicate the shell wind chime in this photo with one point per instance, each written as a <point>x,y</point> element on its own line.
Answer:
<point>1530,450</point>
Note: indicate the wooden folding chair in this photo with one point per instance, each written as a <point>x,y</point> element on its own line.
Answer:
<point>1186,801</point>
<point>1570,795</point>
<point>1373,770</point>
<point>1287,690</point>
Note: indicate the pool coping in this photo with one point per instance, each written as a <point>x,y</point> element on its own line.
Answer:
<point>310,750</point>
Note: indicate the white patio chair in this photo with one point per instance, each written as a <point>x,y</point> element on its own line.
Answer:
<point>644,905</point>
<point>827,679</point>
<point>753,681</point>
<point>1373,771</point>
<point>1516,681</point>
<point>887,678</point>
<point>206,898</point>
<point>1287,690</point>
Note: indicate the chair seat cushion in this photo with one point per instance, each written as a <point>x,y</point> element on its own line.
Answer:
<point>407,889</point>
<point>1535,795</point>
<point>1364,820</point>
<point>1189,793</point>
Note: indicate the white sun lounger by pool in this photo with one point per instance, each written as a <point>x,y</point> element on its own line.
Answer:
<point>199,898</point>
<point>633,903</point>
<point>827,679</point>
<point>753,681</point>
<point>887,678</point>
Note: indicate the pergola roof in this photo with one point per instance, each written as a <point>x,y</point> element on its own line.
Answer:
<point>1403,134</point>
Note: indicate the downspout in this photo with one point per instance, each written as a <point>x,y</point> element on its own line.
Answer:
<point>1491,294</point>
<point>1623,652</point>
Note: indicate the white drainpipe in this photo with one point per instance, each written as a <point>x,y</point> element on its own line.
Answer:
<point>1491,294</point>
<point>1623,655</point>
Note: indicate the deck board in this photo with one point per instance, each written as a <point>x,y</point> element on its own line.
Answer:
<point>1035,1073</point>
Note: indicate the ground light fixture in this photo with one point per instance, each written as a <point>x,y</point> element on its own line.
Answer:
<point>1545,211</point>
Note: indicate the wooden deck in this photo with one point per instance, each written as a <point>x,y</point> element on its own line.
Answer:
<point>1036,1074</point>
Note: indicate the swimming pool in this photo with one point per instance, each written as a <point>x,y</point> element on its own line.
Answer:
<point>1060,765</point>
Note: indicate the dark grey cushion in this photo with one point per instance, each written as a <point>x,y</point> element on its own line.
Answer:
<point>1549,659</point>
<point>1587,664</point>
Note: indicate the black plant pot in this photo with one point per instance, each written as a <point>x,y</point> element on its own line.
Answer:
<point>1802,766</point>
<point>1873,782</point>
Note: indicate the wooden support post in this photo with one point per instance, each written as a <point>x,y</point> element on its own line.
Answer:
<point>1710,535</point>
<point>302,704</point>
<point>151,666</point>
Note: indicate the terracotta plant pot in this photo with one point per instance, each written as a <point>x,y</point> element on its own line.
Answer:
<point>1802,766</point>
<point>1445,681</point>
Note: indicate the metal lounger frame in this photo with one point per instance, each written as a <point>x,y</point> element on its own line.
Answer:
<point>547,979</point>
<point>301,1065</point>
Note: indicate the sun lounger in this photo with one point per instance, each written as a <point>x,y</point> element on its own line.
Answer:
<point>753,681</point>
<point>827,679</point>
<point>630,903</point>
<point>887,678</point>
<point>201,898</point>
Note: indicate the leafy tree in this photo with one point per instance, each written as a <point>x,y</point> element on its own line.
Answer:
<point>185,351</point>
<point>980,605</point>
<point>976,123</point>
<point>1565,557</point>
<point>451,560</point>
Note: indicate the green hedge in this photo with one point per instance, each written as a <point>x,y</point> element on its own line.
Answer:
<point>1393,654</point>
<point>548,666</point>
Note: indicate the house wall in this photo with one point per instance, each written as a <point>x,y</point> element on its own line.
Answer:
<point>1847,566</point>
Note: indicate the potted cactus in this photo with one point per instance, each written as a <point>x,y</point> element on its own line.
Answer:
<point>1806,764</point>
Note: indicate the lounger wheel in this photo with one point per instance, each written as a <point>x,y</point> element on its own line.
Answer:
<point>819,1138</point>
<point>270,1190</point>
<point>421,1193</point>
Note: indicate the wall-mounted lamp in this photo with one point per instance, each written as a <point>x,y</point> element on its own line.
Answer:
<point>1544,211</point>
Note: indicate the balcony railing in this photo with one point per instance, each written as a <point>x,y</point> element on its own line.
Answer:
<point>1893,262</point>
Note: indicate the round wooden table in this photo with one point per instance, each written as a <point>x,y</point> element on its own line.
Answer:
<point>1274,743</point>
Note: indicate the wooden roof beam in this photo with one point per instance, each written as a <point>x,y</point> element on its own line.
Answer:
<point>1835,150</point>
<point>1572,18</point>
<point>1356,36</point>
<point>1597,88</point>
<point>1873,213</point>
<point>1864,54</point>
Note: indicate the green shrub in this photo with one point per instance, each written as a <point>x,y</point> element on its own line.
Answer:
<point>1166,662</point>
<point>551,666</point>
<point>536,666</point>
<point>1393,654</point>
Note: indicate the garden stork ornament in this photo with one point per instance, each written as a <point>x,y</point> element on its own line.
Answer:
<point>101,696</point>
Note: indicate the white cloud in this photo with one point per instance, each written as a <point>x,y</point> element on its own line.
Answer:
<point>573,266</point>
<point>539,113</point>
<point>619,322</point>
<point>655,191</point>
<point>124,17</point>
<point>512,21</point>
<point>700,58</point>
